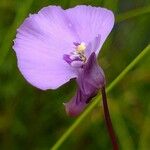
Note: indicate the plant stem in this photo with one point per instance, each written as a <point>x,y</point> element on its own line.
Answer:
<point>96,100</point>
<point>108,121</point>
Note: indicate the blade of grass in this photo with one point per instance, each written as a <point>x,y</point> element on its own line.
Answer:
<point>132,13</point>
<point>22,12</point>
<point>96,100</point>
<point>7,41</point>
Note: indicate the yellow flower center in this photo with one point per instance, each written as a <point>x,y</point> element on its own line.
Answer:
<point>81,48</point>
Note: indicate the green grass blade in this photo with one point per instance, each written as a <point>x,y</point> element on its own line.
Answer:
<point>96,101</point>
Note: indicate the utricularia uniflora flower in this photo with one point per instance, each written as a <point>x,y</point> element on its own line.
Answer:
<point>56,45</point>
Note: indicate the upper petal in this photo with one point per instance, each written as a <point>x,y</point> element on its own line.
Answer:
<point>90,22</point>
<point>93,46</point>
<point>40,44</point>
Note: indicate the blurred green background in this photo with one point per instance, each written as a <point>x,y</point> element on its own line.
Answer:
<point>31,119</point>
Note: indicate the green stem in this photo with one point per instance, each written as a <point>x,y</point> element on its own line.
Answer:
<point>132,13</point>
<point>96,101</point>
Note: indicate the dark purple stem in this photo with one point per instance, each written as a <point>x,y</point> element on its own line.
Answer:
<point>108,121</point>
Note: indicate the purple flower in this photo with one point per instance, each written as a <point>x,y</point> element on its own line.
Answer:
<point>57,45</point>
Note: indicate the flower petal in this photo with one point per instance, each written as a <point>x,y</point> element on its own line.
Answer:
<point>77,104</point>
<point>40,44</point>
<point>91,21</point>
<point>93,46</point>
<point>90,79</point>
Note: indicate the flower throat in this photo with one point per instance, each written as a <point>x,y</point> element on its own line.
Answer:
<point>76,58</point>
